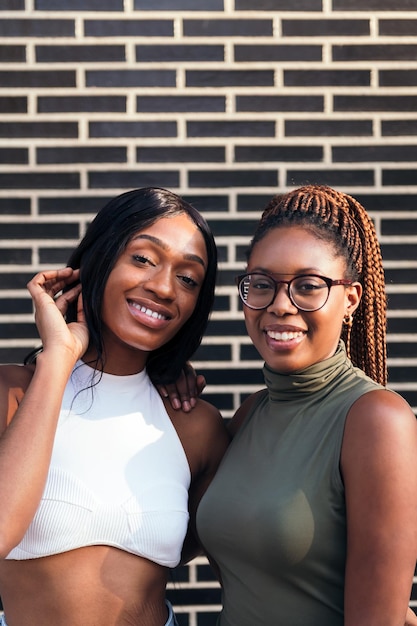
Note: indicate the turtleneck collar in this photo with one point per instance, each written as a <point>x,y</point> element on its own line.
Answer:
<point>286,387</point>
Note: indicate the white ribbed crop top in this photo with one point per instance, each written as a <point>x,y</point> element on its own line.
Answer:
<point>118,475</point>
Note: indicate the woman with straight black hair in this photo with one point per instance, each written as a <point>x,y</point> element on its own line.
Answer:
<point>95,468</point>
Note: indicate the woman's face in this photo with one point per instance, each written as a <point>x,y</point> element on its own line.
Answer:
<point>152,290</point>
<point>289,339</point>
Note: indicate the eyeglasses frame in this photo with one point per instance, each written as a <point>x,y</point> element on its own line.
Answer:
<point>329,282</point>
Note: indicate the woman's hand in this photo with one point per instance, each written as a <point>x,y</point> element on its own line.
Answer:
<point>51,306</point>
<point>184,392</point>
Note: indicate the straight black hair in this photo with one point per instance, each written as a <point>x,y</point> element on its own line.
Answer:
<point>106,238</point>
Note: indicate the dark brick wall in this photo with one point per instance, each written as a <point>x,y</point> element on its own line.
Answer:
<point>226,102</point>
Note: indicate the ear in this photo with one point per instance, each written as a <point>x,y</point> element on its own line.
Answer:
<point>353,295</point>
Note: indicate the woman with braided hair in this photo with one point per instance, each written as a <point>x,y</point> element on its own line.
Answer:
<point>311,518</point>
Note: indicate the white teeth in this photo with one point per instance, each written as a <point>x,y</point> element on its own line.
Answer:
<point>149,312</point>
<point>284,336</point>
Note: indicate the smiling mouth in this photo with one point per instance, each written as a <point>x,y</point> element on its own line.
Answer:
<point>149,312</point>
<point>284,336</point>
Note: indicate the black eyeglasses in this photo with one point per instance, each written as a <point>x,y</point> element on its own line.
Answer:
<point>307,292</point>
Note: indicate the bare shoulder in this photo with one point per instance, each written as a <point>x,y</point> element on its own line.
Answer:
<point>381,421</point>
<point>14,381</point>
<point>381,409</point>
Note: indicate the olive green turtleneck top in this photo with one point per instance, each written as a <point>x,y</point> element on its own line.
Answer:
<point>274,517</point>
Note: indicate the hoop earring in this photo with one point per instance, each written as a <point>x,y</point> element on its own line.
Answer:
<point>347,323</point>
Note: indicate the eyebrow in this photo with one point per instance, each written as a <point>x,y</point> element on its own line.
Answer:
<point>163,245</point>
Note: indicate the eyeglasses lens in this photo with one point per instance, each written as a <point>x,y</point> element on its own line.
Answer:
<point>308,293</point>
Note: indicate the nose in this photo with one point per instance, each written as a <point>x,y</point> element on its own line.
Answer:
<point>161,283</point>
<point>281,304</point>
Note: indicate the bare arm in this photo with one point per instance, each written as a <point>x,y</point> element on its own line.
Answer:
<point>379,467</point>
<point>28,417</point>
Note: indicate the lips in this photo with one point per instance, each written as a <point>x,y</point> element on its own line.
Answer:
<point>149,312</point>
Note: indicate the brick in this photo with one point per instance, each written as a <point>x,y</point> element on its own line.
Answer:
<point>181,154</point>
<point>33,27</point>
<point>174,53</point>
<point>54,256</point>
<point>397,128</point>
<point>10,306</point>
<point>399,252</point>
<point>334,178</point>
<point>214,353</point>
<point>328,128</point>
<point>388,202</point>
<point>383,52</point>
<point>397,78</point>
<point>15,280</point>
<point>400,28</point>
<point>40,230</point>
<point>182,104</point>
<point>39,129</point>
<point>14,206</point>
<point>325,28</point>
<point>194,596</point>
<point>79,5</point>
<point>374,5</point>
<point>81,154</point>
<point>375,103</point>
<point>399,177</point>
<point>399,227</point>
<point>39,180</point>
<point>76,104</point>
<point>402,374</point>
<point>130,78</point>
<point>244,227</point>
<point>221,303</point>
<point>250,202</point>
<point>227,28</point>
<point>401,276</point>
<point>278,5</point>
<point>280,103</point>
<point>15,256</point>
<point>13,355</point>
<point>133,179</point>
<point>248,353</point>
<point>208,202</point>
<point>270,53</point>
<point>19,331</point>
<point>229,78</point>
<point>361,154</point>
<point>333,78</point>
<point>402,325</point>
<point>179,5</point>
<point>80,54</point>
<point>76,204</point>
<point>13,104</point>
<point>128,28</point>
<point>278,153</point>
<point>12,5</point>
<point>233,178</point>
<point>12,54</point>
<point>133,129</point>
<point>37,78</point>
<point>246,128</point>
<point>17,156</point>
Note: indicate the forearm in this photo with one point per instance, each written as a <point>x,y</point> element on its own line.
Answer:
<point>26,447</point>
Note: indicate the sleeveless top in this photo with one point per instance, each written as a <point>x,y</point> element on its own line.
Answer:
<point>118,474</point>
<point>274,517</point>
